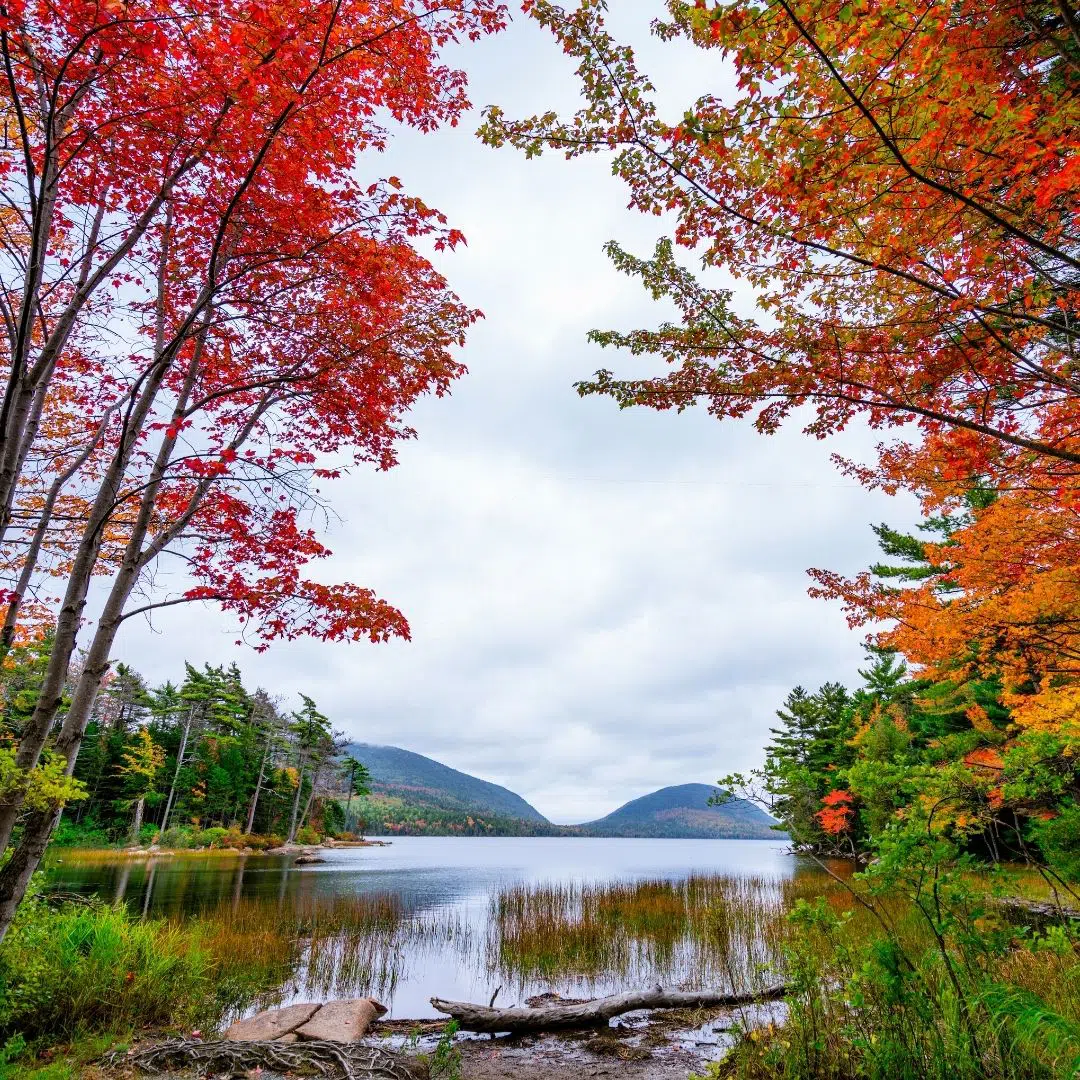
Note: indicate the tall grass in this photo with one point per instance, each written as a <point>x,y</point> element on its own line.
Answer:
<point>706,930</point>
<point>90,967</point>
<point>890,988</point>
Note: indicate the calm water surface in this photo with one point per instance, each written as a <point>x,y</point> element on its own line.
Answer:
<point>457,932</point>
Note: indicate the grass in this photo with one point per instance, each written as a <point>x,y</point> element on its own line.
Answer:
<point>876,994</point>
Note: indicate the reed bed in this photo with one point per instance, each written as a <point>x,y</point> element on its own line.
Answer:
<point>706,930</point>
<point>325,947</point>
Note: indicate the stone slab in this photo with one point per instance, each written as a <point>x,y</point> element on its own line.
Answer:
<point>342,1021</point>
<point>271,1024</point>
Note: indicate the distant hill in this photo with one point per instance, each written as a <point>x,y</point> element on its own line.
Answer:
<point>684,811</point>
<point>420,781</point>
<point>416,795</point>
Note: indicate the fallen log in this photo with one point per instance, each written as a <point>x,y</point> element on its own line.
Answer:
<point>596,1013</point>
<point>352,1061</point>
<point>1039,908</point>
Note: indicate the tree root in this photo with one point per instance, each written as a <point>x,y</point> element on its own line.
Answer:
<point>353,1061</point>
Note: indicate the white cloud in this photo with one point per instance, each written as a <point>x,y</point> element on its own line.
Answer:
<point>602,602</point>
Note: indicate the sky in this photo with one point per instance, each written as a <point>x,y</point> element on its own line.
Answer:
<point>602,602</point>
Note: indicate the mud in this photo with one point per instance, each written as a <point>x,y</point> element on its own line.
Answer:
<point>638,1046</point>
<point>667,1045</point>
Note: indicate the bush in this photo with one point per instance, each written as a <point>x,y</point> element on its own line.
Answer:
<point>307,835</point>
<point>70,835</point>
<point>178,836</point>
<point>211,837</point>
<point>91,967</point>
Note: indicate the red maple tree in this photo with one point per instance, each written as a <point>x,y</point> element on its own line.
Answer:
<point>213,306</point>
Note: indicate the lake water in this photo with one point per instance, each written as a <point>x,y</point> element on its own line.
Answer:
<point>458,917</point>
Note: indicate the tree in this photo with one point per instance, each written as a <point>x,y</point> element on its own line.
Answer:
<point>270,722</point>
<point>139,768</point>
<point>357,782</point>
<point>896,182</point>
<point>314,747</point>
<point>173,186</point>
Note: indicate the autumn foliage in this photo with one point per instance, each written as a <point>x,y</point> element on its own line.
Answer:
<point>836,812</point>
<point>896,187</point>
<point>214,303</point>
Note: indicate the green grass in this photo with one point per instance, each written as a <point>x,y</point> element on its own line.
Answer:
<point>877,995</point>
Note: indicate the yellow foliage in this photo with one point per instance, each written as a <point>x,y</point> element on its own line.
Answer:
<point>47,786</point>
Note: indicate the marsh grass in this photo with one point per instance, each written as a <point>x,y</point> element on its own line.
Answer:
<point>321,947</point>
<point>894,987</point>
<point>705,930</point>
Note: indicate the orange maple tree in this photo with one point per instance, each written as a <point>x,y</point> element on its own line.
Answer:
<point>895,185</point>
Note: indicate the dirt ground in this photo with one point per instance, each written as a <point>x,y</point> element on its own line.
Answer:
<point>662,1046</point>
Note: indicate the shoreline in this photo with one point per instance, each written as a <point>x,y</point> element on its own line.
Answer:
<point>153,852</point>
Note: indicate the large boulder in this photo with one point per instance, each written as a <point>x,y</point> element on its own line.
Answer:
<point>271,1024</point>
<point>342,1021</point>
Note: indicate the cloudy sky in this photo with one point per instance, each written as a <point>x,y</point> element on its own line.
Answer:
<point>602,603</point>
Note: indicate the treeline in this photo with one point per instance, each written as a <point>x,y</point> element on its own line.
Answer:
<point>387,814</point>
<point>878,770</point>
<point>199,760</point>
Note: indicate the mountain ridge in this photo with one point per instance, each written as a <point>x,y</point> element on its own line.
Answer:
<point>414,794</point>
<point>396,769</point>
<point>684,811</point>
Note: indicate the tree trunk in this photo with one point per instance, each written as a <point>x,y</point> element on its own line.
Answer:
<point>295,805</point>
<point>259,782</point>
<point>136,825</point>
<point>598,1012</point>
<point>310,798</point>
<point>176,771</point>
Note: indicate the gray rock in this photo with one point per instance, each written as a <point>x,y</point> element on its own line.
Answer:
<point>271,1024</point>
<point>342,1021</point>
<point>307,860</point>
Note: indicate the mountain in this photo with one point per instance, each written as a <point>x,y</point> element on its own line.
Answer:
<point>416,795</point>
<point>420,781</point>
<point>684,811</point>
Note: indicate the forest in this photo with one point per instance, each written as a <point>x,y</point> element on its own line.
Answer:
<point>197,762</point>
<point>216,302</point>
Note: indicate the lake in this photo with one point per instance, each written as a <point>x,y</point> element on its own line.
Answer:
<point>459,917</point>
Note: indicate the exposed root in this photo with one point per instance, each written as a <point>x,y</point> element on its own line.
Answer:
<point>353,1061</point>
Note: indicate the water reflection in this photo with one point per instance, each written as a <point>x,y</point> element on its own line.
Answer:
<point>457,917</point>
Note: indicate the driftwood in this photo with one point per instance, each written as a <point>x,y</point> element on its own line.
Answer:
<point>353,1061</point>
<point>1040,908</point>
<point>595,1013</point>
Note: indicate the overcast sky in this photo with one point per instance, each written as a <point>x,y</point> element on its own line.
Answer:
<point>602,602</point>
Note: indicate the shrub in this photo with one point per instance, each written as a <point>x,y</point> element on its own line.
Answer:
<point>307,835</point>
<point>211,837</point>
<point>90,835</point>
<point>178,836</point>
<point>91,967</point>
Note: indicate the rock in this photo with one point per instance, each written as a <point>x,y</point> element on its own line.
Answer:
<point>271,1024</point>
<point>342,1021</point>
<point>290,1038</point>
<point>307,860</point>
